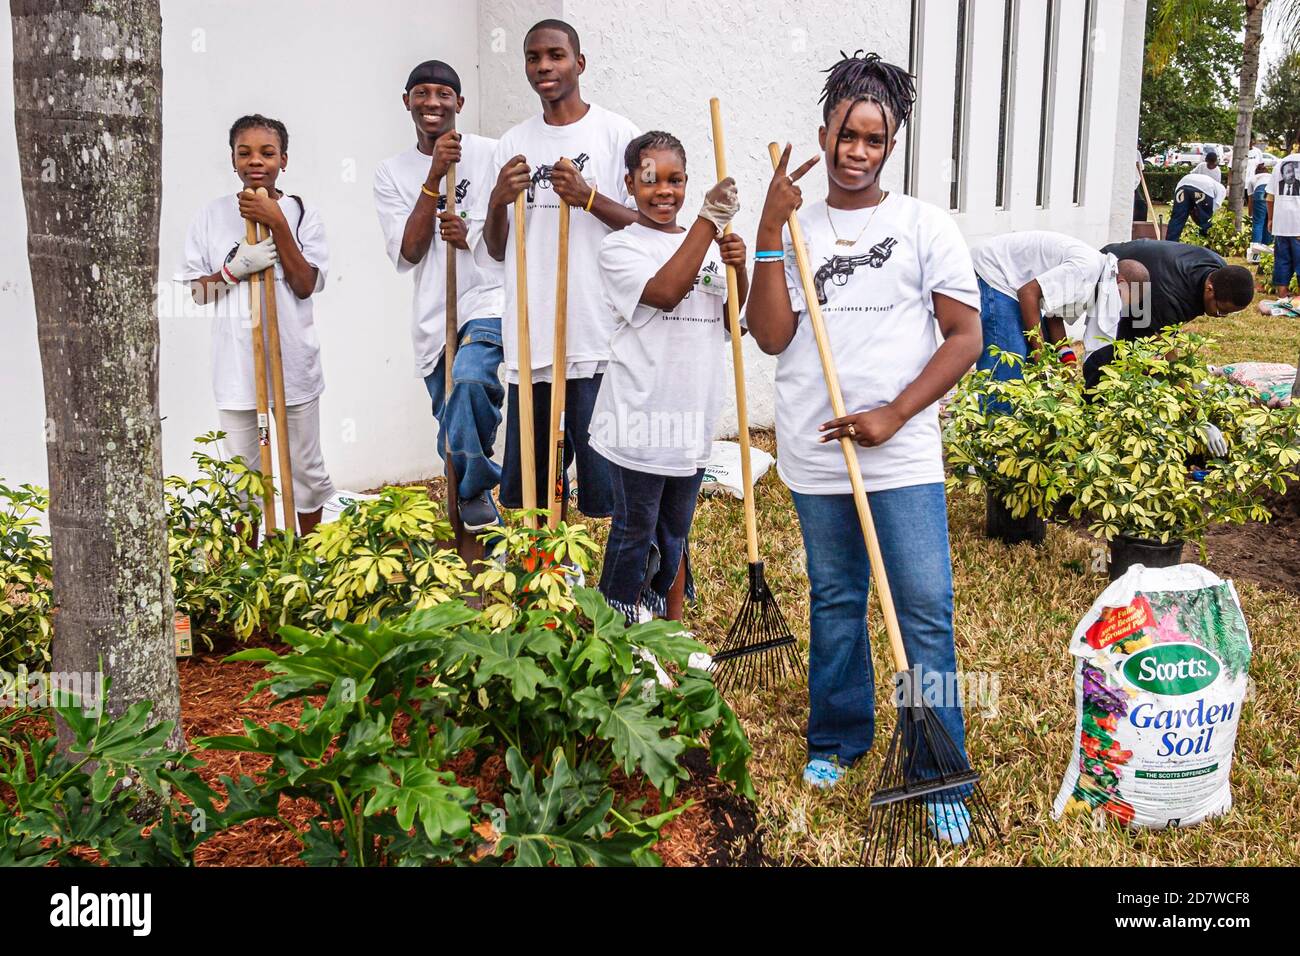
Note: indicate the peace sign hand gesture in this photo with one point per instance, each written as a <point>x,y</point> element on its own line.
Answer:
<point>783,196</point>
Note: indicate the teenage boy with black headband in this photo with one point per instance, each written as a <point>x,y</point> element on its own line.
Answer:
<point>410,198</point>
<point>591,141</point>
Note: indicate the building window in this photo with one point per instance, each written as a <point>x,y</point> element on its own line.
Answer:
<point>1010,16</point>
<point>1085,103</point>
<point>1048,112</point>
<point>913,67</point>
<point>961,85</point>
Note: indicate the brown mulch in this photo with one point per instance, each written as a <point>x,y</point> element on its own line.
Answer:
<point>1265,554</point>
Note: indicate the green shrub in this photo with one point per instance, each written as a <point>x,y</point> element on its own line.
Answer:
<point>1221,237</point>
<point>1145,430</point>
<point>1024,458</point>
<point>1162,180</point>
<point>81,805</point>
<point>26,579</point>
<point>565,697</point>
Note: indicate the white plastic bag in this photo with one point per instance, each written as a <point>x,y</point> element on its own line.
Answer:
<point>723,470</point>
<point>1160,678</point>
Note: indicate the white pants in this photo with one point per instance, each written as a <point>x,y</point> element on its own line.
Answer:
<point>312,486</point>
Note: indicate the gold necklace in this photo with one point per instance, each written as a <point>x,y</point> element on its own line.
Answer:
<point>854,241</point>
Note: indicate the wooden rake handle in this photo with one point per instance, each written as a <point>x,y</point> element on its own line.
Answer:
<point>737,351</point>
<point>846,443</point>
<point>527,428</point>
<point>259,381</point>
<point>277,393</point>
<point>559,364</point>
<point>449,358</point>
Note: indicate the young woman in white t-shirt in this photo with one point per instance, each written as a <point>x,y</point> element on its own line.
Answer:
<point>901,308</point>
<point>219,260</point>
<point>658,404</point>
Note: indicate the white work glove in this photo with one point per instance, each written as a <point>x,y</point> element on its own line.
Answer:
<point>248,258</point>
<point>1214,440</point>
<point>721,203</point>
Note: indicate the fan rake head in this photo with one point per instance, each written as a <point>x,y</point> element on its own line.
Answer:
<point>760,646</point>
<point>927,793</point>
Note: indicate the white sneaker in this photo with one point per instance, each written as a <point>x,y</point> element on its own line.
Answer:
<point>338,501</point>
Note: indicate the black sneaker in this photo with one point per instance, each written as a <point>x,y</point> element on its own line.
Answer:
<point>478,512</point>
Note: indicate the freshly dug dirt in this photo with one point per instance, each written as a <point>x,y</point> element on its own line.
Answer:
<point>1265,554</point>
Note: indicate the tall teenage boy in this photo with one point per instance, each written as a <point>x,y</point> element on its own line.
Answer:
<point>528,157</point>
<point>410,198</point>
<point>218,263</point>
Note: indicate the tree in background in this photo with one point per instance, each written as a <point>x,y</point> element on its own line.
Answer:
<point>1178,22</point>
<point>87,102</point>
<point>1278,116</point>
<point>1188,78</point>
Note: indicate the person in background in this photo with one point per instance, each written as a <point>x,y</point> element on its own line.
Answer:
<point>1257,193</point>
<point>1185,282</point>
<point>1197,195</point>
<point>1210,167</point>
<point>1284,220</point>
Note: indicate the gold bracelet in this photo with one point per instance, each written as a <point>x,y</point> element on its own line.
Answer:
<point>591,199</point>
<point>428,192</point>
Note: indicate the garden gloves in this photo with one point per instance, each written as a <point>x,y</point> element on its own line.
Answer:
<point>248,258</point>
<point>1214,440</point>
<point>721,204</point>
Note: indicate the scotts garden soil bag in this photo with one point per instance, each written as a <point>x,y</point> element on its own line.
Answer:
<point>1160,676</point>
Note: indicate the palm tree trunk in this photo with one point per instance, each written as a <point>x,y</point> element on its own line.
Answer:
<point>87,101</point>
<point>1246,104</point>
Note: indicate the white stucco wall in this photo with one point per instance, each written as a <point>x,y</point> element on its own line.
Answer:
<point>335,78</point>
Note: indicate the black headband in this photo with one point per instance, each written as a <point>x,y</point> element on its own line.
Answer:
<point>434,71</point>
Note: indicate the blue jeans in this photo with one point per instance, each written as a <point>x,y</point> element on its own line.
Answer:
<point>595,496</point>
<point>1259,217</point>
<point>912,525</point>
<point>469,419</point>
<point>1193,202</point>
<point>1002,325</point>
<point>647,538</point>
<point>1286,259</point>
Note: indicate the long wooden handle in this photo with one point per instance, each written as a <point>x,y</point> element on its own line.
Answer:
<point>277,392</point>
<point>846,443</point>
<point>449,358</point>
<point>559,364</point>
<point>1151,207</point>
<point>527,432</point>
<point>259,383</point>
<point>737,351</point>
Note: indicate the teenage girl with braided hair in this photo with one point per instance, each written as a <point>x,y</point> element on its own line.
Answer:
<point>894,272</point>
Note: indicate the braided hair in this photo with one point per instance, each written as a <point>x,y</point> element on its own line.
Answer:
<point>258,121</point>
<point>866,78</point>
<point>655,139</point>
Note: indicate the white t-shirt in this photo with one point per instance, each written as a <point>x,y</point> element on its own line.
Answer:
<point>1067,269</point>
<point>1286,196</point>
<point>662,391</point>
<point>1205,184</point>
<point>215,231</point>
<point>1203,169</point>
<point>478,275</point>
<point>881,324</point>
<point>596,144</point>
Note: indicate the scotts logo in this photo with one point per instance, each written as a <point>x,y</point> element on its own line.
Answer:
<point>1172,669</point>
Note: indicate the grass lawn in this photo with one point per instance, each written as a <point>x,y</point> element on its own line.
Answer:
<point>1015,611</point>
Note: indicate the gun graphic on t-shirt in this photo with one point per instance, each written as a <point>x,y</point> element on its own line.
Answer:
<point>837,269</point>
<point>462,190</point>
<point>542,177</point>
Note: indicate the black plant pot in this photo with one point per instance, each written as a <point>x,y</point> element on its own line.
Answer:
<point>1127,551</point>
<point>999,525</point>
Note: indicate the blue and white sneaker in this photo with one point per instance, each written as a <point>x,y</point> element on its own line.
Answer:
<point>822,774</point>
<point>949,822</point>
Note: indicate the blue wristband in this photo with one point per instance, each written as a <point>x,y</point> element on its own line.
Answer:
<point>768,255</point>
